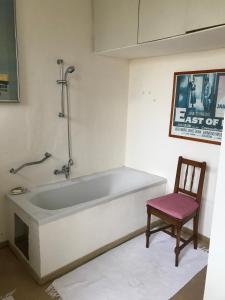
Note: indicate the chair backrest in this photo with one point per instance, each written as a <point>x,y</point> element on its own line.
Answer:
<point>185,182</point>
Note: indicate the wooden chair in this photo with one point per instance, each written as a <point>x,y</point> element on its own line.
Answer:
<point>179,207</point>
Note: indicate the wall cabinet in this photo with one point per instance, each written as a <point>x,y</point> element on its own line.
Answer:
<point>161,19</point>
<point>204,13</point>
<point>124,27</point>
<point>115,23</point>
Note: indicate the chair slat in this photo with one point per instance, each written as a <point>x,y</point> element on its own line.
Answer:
<point>186,174</point>
<point>192,179</point>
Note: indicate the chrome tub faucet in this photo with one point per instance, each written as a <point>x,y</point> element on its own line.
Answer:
<point>66,169</point>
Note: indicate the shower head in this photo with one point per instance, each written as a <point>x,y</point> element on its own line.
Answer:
<point>70,69</point>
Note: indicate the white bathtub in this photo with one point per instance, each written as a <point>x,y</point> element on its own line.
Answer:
<point>71,219</point>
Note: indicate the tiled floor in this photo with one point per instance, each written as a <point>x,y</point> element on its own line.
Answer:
<point>14,275</point>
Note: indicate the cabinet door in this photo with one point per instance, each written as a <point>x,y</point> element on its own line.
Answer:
<point>205,13</point>
<point>115,23</point>
<point>159,19</point>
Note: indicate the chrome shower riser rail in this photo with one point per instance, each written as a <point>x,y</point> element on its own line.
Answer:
<point>14,171</point>
<point>65,103</point>
<point>61,82</point>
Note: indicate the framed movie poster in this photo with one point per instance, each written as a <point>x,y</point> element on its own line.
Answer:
<point>8,53</point>
<point>198,106</point>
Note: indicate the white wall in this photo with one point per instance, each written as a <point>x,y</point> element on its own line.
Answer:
<point>47,30</point>
<point>215,288</point>
<point>148,146</point>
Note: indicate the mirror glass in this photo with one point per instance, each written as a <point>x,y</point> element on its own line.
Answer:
<point>8,53</point>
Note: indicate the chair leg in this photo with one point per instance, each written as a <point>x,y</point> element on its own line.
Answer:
<point>148,227</point>
<point>173,230</point>
<point>195,231</point>
<point>177,248</point>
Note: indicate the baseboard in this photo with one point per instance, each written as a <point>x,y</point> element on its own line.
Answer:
<point>4,244</point>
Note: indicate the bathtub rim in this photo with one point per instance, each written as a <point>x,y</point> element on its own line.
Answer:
<point>43,216</point>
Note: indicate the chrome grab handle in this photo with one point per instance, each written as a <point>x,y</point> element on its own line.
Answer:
<point>14,171</point>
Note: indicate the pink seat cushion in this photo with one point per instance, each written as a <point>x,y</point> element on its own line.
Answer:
<point>176,205</point>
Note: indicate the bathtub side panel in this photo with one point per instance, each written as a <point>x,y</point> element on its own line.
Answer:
<point>68,239</point>
<point>33,239</point>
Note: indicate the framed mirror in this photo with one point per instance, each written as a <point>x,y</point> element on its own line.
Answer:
<point>9,90</point>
